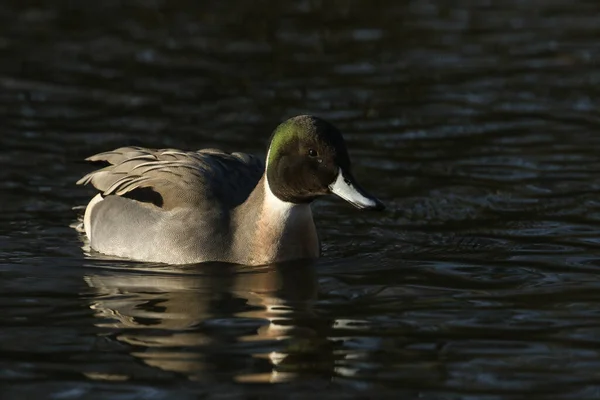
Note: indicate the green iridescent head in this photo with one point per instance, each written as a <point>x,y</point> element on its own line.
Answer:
<point>308,158</point>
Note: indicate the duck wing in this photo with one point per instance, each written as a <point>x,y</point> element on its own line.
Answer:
<point>172,178</point>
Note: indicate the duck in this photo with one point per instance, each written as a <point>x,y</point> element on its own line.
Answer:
<point>185,207</point>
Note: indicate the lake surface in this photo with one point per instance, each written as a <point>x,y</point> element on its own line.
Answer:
<point>476,122</point>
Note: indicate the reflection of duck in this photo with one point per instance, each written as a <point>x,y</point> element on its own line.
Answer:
<point>204,324</point>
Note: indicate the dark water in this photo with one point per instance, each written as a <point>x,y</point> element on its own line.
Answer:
<point>475,121</point>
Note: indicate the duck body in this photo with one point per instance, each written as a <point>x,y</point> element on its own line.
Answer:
<point>181,207</point>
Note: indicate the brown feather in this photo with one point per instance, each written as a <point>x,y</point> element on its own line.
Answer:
<point>180,178</point>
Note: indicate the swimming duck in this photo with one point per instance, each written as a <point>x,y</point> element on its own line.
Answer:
<point>181,207</point>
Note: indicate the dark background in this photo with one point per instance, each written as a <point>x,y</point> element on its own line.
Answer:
<point>474,121</point>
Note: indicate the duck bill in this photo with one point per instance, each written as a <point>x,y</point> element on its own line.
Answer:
<point>346,187</point>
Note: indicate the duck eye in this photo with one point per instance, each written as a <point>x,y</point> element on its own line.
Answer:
<point>312,153</point>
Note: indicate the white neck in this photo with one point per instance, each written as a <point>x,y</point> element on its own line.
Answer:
<point>277,206</point>
<point>273,203</point>
<point>284,230</point>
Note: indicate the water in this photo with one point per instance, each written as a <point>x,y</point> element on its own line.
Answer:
<point>475,121</point>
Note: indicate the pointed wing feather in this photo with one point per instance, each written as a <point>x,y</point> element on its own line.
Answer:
<point>181,178</point>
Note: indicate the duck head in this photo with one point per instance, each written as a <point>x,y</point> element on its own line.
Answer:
<point>307,159</point>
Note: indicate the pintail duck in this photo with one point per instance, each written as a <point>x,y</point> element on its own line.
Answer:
<point>181,207</point>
